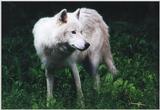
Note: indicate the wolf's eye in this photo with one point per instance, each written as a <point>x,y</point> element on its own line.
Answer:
<point>73,32</point>
<point>81,32</point>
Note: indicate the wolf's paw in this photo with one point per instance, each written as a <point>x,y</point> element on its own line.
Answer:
<point>80,100</point>
<point>114,71</point>
<point>96,87</point>
<point>80,103</point>
<point>50,102</point>
<point>96,83</point>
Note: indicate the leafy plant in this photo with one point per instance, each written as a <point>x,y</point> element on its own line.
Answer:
<point>136,85</point>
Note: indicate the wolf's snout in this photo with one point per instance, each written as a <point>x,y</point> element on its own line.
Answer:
<point>87,45</point>
<point>78,43</point>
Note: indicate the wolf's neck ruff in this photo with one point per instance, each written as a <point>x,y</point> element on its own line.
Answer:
<point>61,49</point>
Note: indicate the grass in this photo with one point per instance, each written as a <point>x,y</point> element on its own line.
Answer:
<point>136,85</point>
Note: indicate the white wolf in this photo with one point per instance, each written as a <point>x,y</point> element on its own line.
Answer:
<point>68,38</point>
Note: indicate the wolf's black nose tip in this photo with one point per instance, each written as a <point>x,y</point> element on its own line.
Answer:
<point>87,45</point>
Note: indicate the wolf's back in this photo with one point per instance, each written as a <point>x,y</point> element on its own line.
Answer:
<point>90,18</point>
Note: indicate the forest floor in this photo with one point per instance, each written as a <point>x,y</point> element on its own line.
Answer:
<point>135,54</point>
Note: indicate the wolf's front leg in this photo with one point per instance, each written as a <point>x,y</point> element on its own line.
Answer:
<point>94,62</point>
<point>49,81</point>
<point>78,84</point>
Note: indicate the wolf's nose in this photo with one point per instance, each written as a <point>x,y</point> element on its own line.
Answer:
<point>87,45</point>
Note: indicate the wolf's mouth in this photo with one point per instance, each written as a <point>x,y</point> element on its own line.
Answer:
<point>73,46</point>
<point>81,49</point>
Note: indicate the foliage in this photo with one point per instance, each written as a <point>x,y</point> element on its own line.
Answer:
<point>136,85</point>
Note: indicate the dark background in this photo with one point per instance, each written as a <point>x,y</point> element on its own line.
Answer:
<point>27,13</point>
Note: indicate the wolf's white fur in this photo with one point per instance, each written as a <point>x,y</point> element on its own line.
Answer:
<point>52,33</point>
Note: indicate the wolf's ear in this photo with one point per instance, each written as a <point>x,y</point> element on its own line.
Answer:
<point>63,15</point>
<point>77,13</point>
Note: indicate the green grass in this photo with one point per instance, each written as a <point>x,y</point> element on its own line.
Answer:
<point>136,85</point>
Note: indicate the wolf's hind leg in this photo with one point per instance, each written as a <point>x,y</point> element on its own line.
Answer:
<point>109,61</point>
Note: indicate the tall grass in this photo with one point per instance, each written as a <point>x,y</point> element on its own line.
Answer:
<point>136,85</point>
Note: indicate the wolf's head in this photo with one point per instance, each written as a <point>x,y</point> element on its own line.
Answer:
<point>70,30</point>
